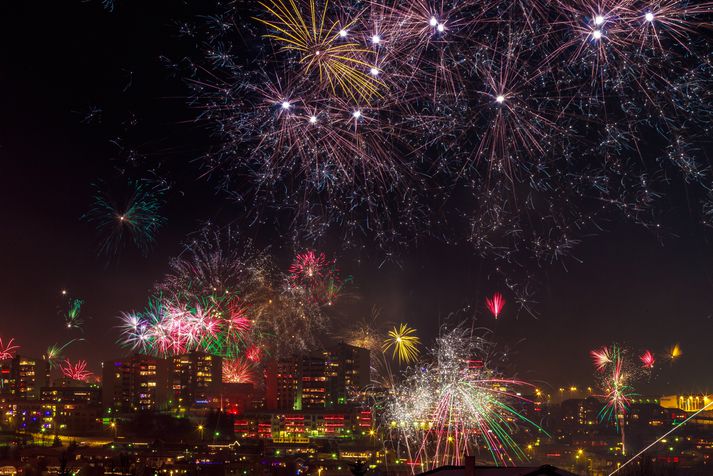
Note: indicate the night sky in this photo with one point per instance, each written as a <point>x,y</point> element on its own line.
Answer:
<point>60,59</point>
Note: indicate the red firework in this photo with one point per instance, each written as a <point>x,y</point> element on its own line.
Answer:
<point>309,267</point>
<point>77,371</point>
<point>253,354</point>
<point>238,371</point>
<point>495,304</point>
<point>647,360</point>
<point>7,351</point>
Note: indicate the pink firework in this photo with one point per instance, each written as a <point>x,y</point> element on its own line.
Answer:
<point>309,267</point>
<point>7,351</point>
<point>237,371</point>
<point>647,360</point>
<point>602,357</point>
<point>495,304</point>
<point>77,371</point>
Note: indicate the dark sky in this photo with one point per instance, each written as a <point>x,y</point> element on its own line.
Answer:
<point>59,59</point>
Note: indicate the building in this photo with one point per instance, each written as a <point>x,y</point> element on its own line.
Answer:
<point>136,383</point>
<point>23,377</point>
<point>687,403</point>
<point>195,378</point>
<point>318,380</point>
<point>580,412</point>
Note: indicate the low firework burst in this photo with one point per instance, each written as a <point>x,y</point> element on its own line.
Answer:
<point>238,371</point>
<point>76,371</point>
<point>647,359</point>
<point>447,409</point>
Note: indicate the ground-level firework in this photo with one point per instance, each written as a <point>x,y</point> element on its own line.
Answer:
<point>447,408</point>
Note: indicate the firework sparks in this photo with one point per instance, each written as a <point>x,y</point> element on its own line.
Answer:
<point>602,357</point>
<point>446,409</point>
<point>403,343</point>
<point>76,371</point>
<point>647,360</point>
<point>224,298</point>
<point>8,349</point>
<point>72,315</point>
<point>495,304</point>
<point>238,371</point>
<point>675,352</point>
<point>134,217</point>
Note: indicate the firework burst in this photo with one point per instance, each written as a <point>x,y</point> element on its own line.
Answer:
<point>495,304</point>
<point>76,371</point>
<point>238,371</point>
<point>8,349</point>
<point>446,409</point>
<point>403,343</point>
<point>133,216</point>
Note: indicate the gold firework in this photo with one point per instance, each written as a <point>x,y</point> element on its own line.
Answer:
<point>324,46</point>
<point>403,343</point>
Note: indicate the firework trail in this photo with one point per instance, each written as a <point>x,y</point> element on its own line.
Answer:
<point>53,354</point>
<point>132,216</point>
<point>447,409</point>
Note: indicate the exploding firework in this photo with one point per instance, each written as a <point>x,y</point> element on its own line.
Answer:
<point>8,349</point>
<point>448,408</point>
<point>318,275</point>
<point>517,126</point>
<point>495,304</point>
<point>675,352</point>
<point>53,354</point>
<point>647,360</point>
<point>75,371</point>
<point>72,315</point>
<point>133,216</point>
<point>403,342</point>
<point>617,375</point>
<point>224,298</point>
<point>238,371</point>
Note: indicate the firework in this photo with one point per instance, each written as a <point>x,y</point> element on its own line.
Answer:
<point>617,375</point>
<point>71,316</point>
<point>53,354</point>
<point>8,349</point>
<point>238,371</point>
<point>403,343</point>
<point>224,298</point>
<point>373,119</point>
<point>448,408</point>
<point>675,352</point>
<point>75,371</point>
<point>323,46</point>
<point>647,360</point>
<point>133,216</point>
<point>495,304</point>
<point>602,357</point>
<point>318,275</point>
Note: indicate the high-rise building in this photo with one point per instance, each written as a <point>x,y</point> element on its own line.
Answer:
<point>195,377</point>
<point>136,383</point>
<point>22,377</point>
<point>318,380</point>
